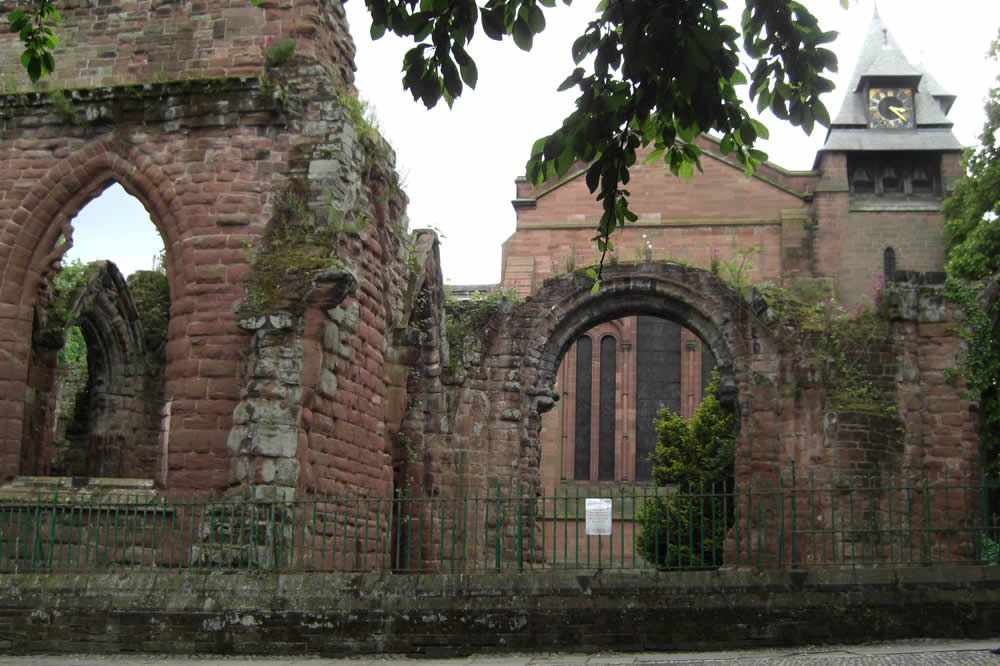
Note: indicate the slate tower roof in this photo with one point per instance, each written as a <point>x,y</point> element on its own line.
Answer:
<point>882,62</point>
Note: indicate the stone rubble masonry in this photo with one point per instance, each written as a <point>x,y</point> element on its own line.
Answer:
<point>440,616</point>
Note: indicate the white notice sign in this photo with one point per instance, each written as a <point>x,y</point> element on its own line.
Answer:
<point>598,516</point>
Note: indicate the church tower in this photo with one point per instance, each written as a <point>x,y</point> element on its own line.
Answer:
<point>889,160</point>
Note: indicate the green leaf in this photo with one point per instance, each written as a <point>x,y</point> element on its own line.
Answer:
<point>535,18</point>
<point>571,80</point>
<point>376,31</point>
<point>493,23</point>
<point>452,81</point>
<point>760,128</point>
<point>522,34</point>
<point>686,170</point>
<point>470,74</point>
<point>821,113</point>
<point>763,100</point>
<point>34,67</point>
<point>583,45</point>
<point>554,146</point>
<point>686,133</point>
<point>593,176</point>
<point>654,156</point>
<point>597,287</point>
<point>538,148</point>
<point>778,108</point>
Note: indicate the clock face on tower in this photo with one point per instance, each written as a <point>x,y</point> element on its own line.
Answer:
<point>890,107</point>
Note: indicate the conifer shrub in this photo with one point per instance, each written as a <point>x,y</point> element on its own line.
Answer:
<point>686,527</point>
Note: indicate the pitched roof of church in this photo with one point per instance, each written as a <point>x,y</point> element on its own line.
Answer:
<point>882,58</point>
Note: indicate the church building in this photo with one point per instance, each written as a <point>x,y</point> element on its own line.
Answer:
<point>869,208</point>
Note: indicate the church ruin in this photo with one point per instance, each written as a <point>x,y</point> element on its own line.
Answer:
<point>306,350</point>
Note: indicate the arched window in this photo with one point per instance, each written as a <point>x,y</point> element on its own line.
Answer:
<point>889,264</point>
<point>581,430</point>
<point>606,417</point>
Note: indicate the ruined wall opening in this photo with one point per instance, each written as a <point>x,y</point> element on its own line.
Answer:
<point>541,342</point>
<point>98,352</point>
<point>612,382</point>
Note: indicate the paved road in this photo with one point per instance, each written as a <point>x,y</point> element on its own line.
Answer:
<point>899,653</point>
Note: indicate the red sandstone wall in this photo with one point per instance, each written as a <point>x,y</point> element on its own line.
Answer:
<point>138,41</point>
<point>719,210</point>
<point>208,157</point>
<point>47,180</point>
<point>851,237</point>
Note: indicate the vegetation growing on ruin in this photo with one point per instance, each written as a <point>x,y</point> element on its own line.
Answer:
<point>63,292</point>
<point>151,294</point>
<point>973,237</point>
<point>838,347</point>
<point>294,248</point>
<point>981,366</point>
<point>466,320</point>
<point>65,108</point>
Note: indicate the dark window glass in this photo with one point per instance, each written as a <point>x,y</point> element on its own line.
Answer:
<point>581,440</point>
<point>889,263</point>
<point>606,418</point>
<point>862,181</point>
<point>923,181</point>
<point>892,175</point>
<point>892,180</point>
<point>658,383</point>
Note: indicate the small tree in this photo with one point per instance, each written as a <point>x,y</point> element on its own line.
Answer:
<point>686,529</point>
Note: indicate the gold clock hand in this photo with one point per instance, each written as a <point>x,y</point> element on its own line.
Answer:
<point>898,110</point>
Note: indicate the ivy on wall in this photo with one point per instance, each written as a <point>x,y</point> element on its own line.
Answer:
<point>981,367</point>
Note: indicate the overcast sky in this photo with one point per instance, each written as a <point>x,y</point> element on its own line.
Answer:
<point>458,166</point>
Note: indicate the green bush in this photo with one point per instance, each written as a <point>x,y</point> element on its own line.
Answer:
<point>687,528</point>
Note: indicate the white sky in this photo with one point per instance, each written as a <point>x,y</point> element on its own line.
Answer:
<point>458,166</point>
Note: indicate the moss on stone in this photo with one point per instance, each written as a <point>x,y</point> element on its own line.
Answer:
<point>294,249</point>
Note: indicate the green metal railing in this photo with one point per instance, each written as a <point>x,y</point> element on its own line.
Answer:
<point>777,525</point>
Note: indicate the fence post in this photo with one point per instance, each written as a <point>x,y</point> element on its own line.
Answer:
<point>520,527</point>
<point>795,555</point>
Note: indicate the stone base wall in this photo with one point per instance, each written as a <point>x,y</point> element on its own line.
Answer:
<point>454,615</point>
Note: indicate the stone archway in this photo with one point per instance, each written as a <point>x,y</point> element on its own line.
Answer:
<point>215,139</point>
<point>115,424</point>
<point>36,229</point>
<point>528,346</point>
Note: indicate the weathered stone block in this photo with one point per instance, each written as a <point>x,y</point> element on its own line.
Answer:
<point>275,441</point>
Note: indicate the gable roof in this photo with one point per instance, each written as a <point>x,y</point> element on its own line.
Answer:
<point>797,184</point>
